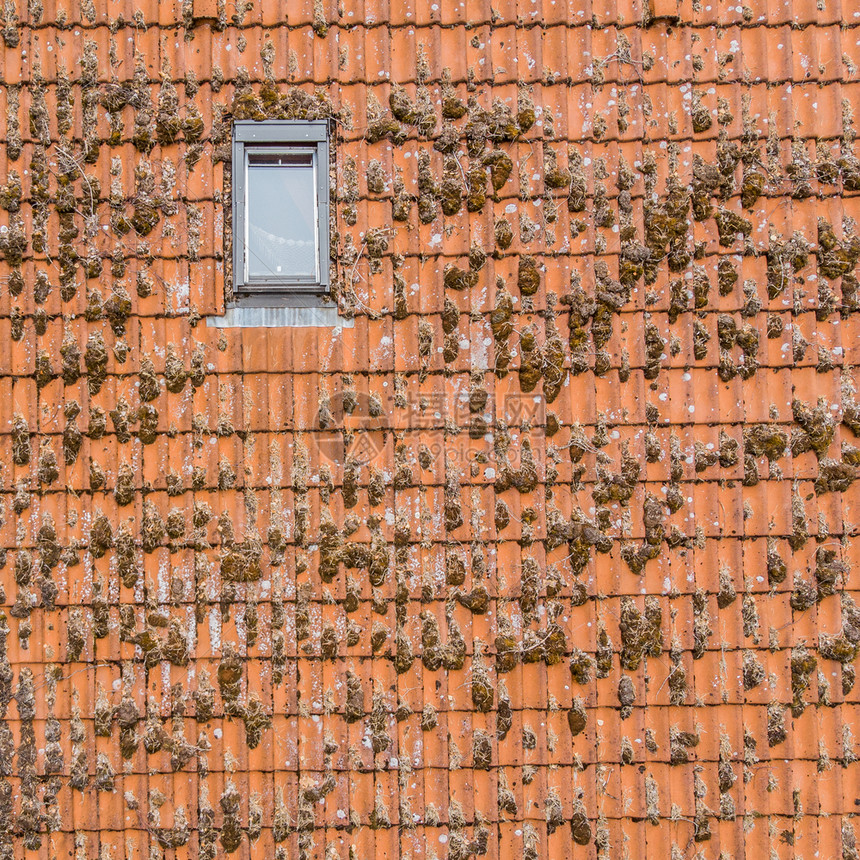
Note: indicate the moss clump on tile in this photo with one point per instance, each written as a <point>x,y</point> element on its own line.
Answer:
<point>828,570</point>
<point>482,750</point>
<point>20,440</point>
<point>641,633</point>
<point>730,225</point>
<point>835,258</point>
<point>528,276</point>
<point>752,187</point>
<point>554,176</point>
<point>458,279</point>
<point>503,234</point>
<point>531,361</point>
<point>679,743</point>
<point>13,244</point>
<point>501,167</point>
<point>753,671</point>
<point>10,193</point>
<point>526,114</point>
<point>834,476</point>
<point>476,184</point>
<point>451,188</point>
<point>839,648</point>
<point>803,664</point>
<point>765,440</point>
<point>701,624</point>
<point>168,123</point>
<point>500,318</point>
<point>818,426</point>
<point>101,536</point>
<point>96,359</point>
<point>706,180</point>
<point>483,694</point>
<point>581,666</point>
<point>776,567</point>
<point>402,108</point>
<point>452,106</point>
<point>617,486</point>
<point>776,733</point>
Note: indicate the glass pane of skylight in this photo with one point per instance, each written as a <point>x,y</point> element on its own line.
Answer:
<point>282,216</point>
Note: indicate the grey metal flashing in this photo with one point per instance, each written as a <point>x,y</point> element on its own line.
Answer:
<point>249,316</point>
<point>279,130</point>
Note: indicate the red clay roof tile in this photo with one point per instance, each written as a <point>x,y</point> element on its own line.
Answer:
<point>585,460</point>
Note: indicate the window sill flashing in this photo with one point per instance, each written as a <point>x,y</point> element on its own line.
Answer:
<point>268,311</point>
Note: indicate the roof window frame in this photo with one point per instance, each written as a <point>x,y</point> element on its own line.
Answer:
<point>305,136</point>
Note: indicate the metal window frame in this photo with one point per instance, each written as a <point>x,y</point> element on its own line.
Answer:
<point>280,134</point>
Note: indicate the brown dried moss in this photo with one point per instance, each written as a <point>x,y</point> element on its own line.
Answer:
<point>765,440</point>
<point>803,664</point>
<point>528,276</point>
<point>641,633</point>
<point>503,233</point>
<point>96,359</point>
<point>730,225</point>
<point>482,750</point>
<point>818,427</point>
<point>834,476</point>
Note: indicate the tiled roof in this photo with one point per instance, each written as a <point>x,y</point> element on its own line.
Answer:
<point>551,554</point>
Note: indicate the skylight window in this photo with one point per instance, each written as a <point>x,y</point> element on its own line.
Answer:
<point>280,207</point>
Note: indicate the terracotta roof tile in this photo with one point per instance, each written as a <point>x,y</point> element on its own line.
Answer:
<point>556,534</point>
